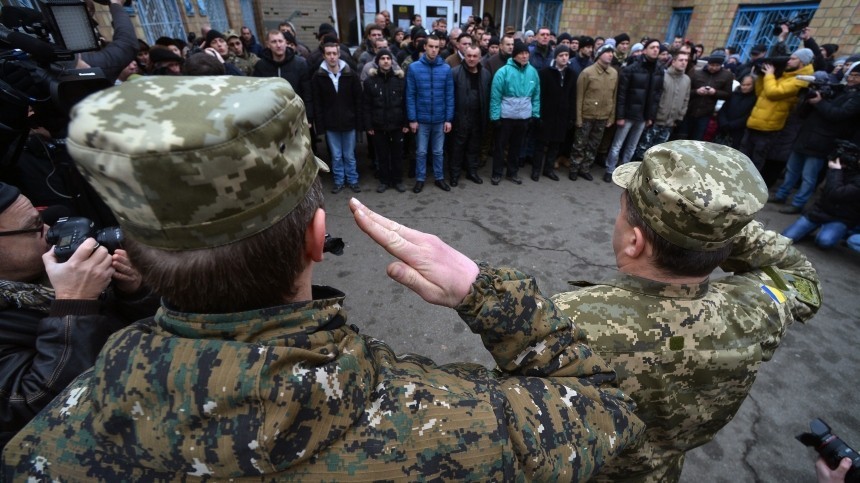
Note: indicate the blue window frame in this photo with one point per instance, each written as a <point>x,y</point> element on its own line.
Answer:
<point>754,25</point>
<point>248,15</point>
<point>217,13</point>
<point>678,23</point>
<point>159,18</point>
<point>542,13</point>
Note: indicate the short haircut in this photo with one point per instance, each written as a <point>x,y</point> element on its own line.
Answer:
<point>370,28</point>
<point>463,36</point>
<point>256,272</point>
<point>271,33</point>
<point>202,63</point>
<point>672,259</point>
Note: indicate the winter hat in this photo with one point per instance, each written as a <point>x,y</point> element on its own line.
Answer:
<point>636,48</point>
<point>380,53</point>
<point>494,40</point>
<point>603,48</point>
<point>212,35</point>
<point>561,49</point>
<point>586,41</point>
<point>830,49</point>
<point>622,38</point>
<point>610,41</point>
<point>564,36</point>
<point>805,55</point>
<point>519,47</point>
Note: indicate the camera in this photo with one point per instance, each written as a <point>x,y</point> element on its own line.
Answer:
<point>333,245</point>
<point>848,154</point>
<point>69,232</point>
<point>831,448</point>
<point>779,64</point>
<point>820,84</point>
<point>795,24</point>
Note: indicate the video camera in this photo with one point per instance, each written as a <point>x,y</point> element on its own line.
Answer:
<point>795,24</point>
<point>831,448</point>
<point>37,55</point>
<point>779,64</point>
<point>820,83</point>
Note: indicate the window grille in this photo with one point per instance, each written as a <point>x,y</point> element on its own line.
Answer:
<point>248,15</point>
<point>159,18</point>
<point>678,23</point>
<point>754,25</point>
<point>542,13</point>
<point>217,13</point>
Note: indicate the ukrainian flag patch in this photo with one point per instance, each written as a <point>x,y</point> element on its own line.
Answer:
<point>776,294</point>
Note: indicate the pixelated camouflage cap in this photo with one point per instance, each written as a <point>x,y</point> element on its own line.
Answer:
<point>195,162</point>
<point>694,194</point>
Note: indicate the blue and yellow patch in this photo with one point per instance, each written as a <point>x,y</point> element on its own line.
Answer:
<point>776,294</point>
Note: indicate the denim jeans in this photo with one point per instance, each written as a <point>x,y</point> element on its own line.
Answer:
<point>628,137</point>
<point>432,136</point>
<point>341,145</point>
<point>854,242</point>
<point>800,166</point>
<point>829,234</point>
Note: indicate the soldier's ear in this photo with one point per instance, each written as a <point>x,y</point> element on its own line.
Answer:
<point>635,246</point>
<point>315,236</point>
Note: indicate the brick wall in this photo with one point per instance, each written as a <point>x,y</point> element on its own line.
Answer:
<point>311,14</point>
<point>607,18</point>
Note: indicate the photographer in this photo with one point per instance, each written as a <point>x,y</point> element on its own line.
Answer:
<point>825,121</point>
<point>116,55</point>
<point>53,319</point>
<point>838,208</point>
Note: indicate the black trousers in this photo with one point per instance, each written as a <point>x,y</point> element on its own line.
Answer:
<point>510,133</point>
<point>389,154</point>
<point>466,146</point>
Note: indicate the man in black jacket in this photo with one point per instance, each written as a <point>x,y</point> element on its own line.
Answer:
<point>707,85</point>
<point>557,106</point>
<point>640,85</point>
<point>279,61</point>
<point>384,111</point>
<point>54,317</point>
<point>471,114</point>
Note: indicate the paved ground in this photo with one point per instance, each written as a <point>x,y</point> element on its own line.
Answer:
<point>560,231</point>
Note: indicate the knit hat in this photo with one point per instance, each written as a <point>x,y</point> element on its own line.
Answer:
<point>289,37</point>
<point>561,48</point>
<point>529,33</point>
<point>663,48</point>
<point>240,167</point>
<point>8,195</point>
<point>804,55</point>
<point>494,40</point>
<point>163,54</point>
<point>603,48</point>
<point>610,41</point>
<point>380,53</point>
<point>324,29</point>
<point>586,41</point>
<point>519,46</point>
<point>636,48</point>
<point>564,36</point>
<point>717,57</point>
<point>759,49</point>
<point>694,194</point>
<point>212,35</point>
<point>830,49</point>
<point>622,38</point>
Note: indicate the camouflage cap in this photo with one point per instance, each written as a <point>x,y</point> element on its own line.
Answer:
<point>694,194</point>
<point>195,162</point>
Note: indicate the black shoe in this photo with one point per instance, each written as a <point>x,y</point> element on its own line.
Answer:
<point>551,175</point>
<point>495,180</point>
<point>473,177</point>
<point>587,176</point>
<point>775,200</point>
<point>400,187</point>
<point>607,178</point>
<point>441,184</point>
<point>572,176</point>
<point>535,177</point>
<point>514,179</point>
<point>419,185</point>
<point>381,188</point>
<point>337,189</point>
<point>455,182</point>
<point>791,210</point>
<point>355,188</point>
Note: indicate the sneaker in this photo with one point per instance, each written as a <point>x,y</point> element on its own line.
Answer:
<point>607,178</point>
<point>775,200</point>
<point>337,189</point>
<point>495,180</point>
<point>381,188</point>
<point>587,176</point>
<point>400,187</point>
<point>355,188</point>
<point>514,179</point>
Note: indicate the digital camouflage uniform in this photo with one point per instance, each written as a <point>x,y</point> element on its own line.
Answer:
<point>292,392</point>
<point>688,354</point>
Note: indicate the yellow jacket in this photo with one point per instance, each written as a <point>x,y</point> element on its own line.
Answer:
<point>776,97</point>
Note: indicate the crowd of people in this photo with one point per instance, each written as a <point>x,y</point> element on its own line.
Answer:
<point>459,99</point>
<point>237,376</point>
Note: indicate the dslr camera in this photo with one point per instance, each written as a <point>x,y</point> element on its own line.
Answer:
<point>69,232</point>
<point>831,448</point>
<point>848,154</point>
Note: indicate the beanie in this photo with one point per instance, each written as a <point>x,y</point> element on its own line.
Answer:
<point>805,55</point>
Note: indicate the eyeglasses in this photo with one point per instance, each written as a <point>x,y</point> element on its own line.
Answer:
<point>35,229</point>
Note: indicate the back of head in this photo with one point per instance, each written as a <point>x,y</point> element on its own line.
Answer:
<point>202,63</point>
<point>200,171</point>
<point>695,195</point>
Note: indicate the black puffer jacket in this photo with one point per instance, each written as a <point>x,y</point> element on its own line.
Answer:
<point>830,119</point>
<point>840,198</point>
<point>721,81</point>
<point>41,353</point>
<point>294,69</point>
<point>639,91</point>
<point>384,106</point>
<point>461,91</point>
<point>734,113</point>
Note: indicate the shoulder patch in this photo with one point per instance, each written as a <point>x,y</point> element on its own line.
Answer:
<point>776,294</point>
<point>807,292</point>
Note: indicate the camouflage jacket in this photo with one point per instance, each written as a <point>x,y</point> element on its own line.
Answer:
<point>293,392</point>
<point>245,63</point>
<point>688,354</point>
